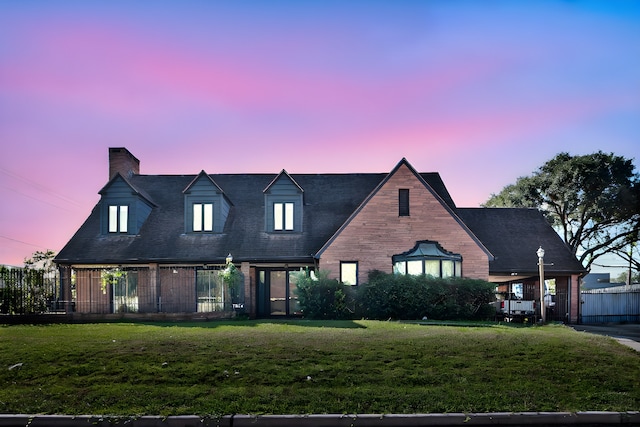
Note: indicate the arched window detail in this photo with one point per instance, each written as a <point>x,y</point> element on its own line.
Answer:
<point>429,258</point>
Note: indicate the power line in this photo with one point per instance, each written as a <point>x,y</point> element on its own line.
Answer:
<point>36,198</point>
<point>39,186</point>
<point>610,266</point>
<point>24,243</point>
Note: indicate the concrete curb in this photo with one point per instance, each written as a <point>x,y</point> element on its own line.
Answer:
<point>507,419</point>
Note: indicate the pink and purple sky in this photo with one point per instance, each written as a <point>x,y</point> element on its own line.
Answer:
<point>481,91</point>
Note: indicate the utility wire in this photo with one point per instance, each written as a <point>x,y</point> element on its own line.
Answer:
<point>24,243</point>
<point>39,187</point>
<point>36,199</point>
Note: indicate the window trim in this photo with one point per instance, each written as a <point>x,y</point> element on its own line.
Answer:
<point>284,217</point>
<point>117,219</point>
<point>204,212</point>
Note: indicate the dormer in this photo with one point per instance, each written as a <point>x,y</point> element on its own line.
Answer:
<point>206,207</point>
<point>123,208</point>
<point>283,201</point>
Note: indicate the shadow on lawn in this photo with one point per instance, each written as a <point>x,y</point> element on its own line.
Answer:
<point>340,324</point>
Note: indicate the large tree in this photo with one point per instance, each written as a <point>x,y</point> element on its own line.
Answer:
<point>593,201</point>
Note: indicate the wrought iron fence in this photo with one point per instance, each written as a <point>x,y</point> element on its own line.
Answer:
<point>29,291</point>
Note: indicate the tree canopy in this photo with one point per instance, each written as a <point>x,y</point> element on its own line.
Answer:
<point>592,200</point>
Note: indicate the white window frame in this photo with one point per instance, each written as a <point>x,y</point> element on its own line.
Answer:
<point>349,272</point>
<point>202,217</point>
<point>283,216</point>
<point>428,258</point>
<point>118,218</point>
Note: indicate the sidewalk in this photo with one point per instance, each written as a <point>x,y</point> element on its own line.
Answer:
<point>505,419</point>
<point>627,334</point>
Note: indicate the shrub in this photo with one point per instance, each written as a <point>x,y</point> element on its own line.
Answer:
<point>388,296</point>
<point>323,298</point>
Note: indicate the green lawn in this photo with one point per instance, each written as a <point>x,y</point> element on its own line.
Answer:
<point>257,367</point>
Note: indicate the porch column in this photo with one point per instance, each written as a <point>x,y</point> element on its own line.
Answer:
<point>154,283</point>
<point>65,288</point>
<point>249,304</point>
<point>575,298</point>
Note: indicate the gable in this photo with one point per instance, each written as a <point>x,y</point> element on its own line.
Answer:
<point>283,184</point>
<point>376,232</point>
<point>203,183</point>
<point>423,200</point>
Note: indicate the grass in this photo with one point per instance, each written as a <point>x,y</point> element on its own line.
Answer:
<point>257,367</point>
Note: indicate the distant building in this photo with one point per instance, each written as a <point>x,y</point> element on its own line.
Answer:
<point>599,281</point>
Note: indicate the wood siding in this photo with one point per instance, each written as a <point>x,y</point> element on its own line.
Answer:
<point>283,190</point>
<point>119,193</point>
<point>203,190</point>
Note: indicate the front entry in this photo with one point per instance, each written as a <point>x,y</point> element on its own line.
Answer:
<point>276,293</point>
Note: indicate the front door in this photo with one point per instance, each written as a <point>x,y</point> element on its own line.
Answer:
<point>276,293</point>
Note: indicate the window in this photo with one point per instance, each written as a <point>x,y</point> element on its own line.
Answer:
<point>430,259</point>
<point>349,272</point>
<point>125,292</point>
<point>210,291</point>
<point>403,202</point>
<point>118,218</point>
<point>203,217</point>
<point>283,216</point>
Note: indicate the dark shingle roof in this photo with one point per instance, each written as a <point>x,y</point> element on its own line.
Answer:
<point>329,199</point>
<point>513,235</point>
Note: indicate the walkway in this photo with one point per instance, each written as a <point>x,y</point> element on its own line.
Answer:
<point>627,334</point>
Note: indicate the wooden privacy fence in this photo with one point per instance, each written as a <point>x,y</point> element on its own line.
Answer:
<point>611,305</point>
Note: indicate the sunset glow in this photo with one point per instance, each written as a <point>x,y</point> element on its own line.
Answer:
<point>482,92</point>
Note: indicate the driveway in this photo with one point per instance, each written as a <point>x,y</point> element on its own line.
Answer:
<point>628,333</point>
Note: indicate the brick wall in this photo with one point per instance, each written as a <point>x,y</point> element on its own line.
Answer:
<point>377,232</point>
<point>177,290</point>
<point>91,298</point>
<point>121,160</point>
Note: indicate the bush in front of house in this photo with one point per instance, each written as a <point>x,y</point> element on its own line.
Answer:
<point>322,297</point>
<point>389,296</point>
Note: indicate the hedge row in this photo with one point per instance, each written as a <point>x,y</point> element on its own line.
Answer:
<point>388,296</point>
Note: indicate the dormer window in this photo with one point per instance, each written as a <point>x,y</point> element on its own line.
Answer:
<point>206,207</point>
<point>123,207</point>
<point>283,201</point>
<point>202,217</point>
<point>118,218</point>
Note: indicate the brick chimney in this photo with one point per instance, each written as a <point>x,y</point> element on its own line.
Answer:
<point>121,160</point>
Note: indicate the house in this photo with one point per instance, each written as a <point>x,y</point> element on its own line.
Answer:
<point>593,281</point>
<point>157,243</point>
